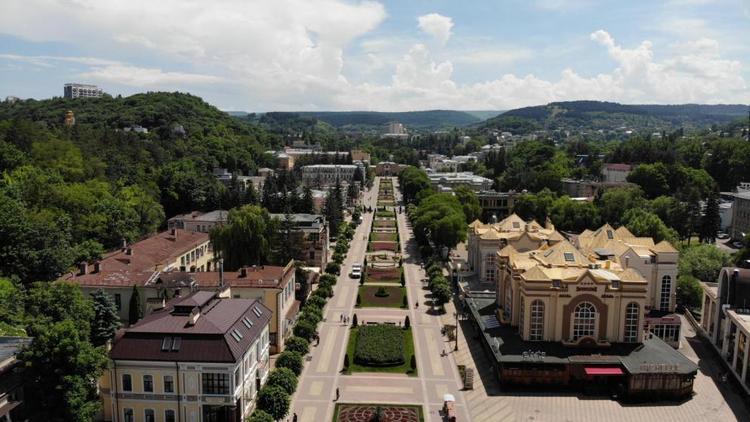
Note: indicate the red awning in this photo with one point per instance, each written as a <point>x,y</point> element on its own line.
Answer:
<point>604,371</point>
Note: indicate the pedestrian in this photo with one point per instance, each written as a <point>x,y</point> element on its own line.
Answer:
<point>416,305</point>
<point>337,394</point>
<point>294,418</point>
<point>341,317</point>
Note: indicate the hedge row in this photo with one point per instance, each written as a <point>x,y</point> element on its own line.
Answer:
<point>379,345</point>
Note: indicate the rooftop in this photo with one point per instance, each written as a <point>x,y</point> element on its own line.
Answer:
<point>10,346</point>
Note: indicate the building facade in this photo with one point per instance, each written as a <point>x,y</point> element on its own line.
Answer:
<point>725,320</point>
<point>197,221</point>
<point>13,408</point>
<point>324,175</point>
<point>453,180</point>
<point>201,358</point>
<point>311,238</point>
<point>615,172</point>
<point>740,215</point>
<point>496,205</point>
<point>388,169</point>
<point>74,90</point>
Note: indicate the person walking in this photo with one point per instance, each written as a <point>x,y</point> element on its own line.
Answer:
<point>294,418</point>
<point>337,394</point>
<point>341,317</point>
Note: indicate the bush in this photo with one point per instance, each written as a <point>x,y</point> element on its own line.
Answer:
<point>316,301</point>
<point>260,416</point>
<point>328,279</point>
<point>346,361</point>
<point>407,322</point>
<point>333,268</point>
<point>405,304</point>
<point>310,308</point>
<point>403,279</point>
<point>354,320</point>
<point>413,362</point>
<point>337,259</point>
<point>274,400</point>
<point>291,360</point>
<point>382,292</point>
<point>379,345</point>
<point>310,317</point>
<point>284,378</point>
<point>359,299</point>
<point>434,270</point>
<point>304,329</point>
<point>300,344</point>
<point>324,291</point>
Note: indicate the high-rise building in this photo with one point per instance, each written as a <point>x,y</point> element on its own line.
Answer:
<point>74,90</point>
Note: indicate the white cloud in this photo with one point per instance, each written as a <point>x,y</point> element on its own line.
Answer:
<point>561,5</point>
<point>146,77</point>
<point>494,56</point>
<point>436,25</point>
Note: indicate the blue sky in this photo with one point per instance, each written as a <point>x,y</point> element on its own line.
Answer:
<point>262,55</point>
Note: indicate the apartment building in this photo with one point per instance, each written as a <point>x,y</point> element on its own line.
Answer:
<point>740,215</point>
<point>325,175</point>
<point>615,172</point>
<point>443,181</point>
<point>142,264</point>
<point>198,221</point>
<point>725,320</point>
<point>311,237</point>
<point>497,205</point>
<point>203,357</point>
<point>75,90</point>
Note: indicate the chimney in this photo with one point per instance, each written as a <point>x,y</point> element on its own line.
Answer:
<point>128,251</point>
<point>176,292</point>
<point>83,268</point>
<point>97,266</point>
<point>627,262</point>
<point>243,272</point>
<point>221,272</point>
<point>124,244</point>
<point>173,232</point>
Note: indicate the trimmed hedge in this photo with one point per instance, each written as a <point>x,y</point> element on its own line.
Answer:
<point>291,360</point>
<point>284,378</point>
<point>299,344</point>
<point>316,301</point>
<point>379,345</point>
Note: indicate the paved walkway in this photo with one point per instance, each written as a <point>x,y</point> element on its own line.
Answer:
<point>314,399</point>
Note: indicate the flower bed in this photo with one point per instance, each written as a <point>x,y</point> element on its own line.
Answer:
<point>384,223</point>
<point>381,296</point>
<point>366,412</point>
<point>408,353</point>
<point>384,246</point>
<point>383,275</point>
<point>383,237</point>
<point>379,345</point>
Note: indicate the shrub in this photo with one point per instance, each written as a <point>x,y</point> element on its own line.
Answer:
<point>407,322</point>
<point>405,304</point>
<point>328,279</point>
<point>316,301</point>
<point>310,308</point>
<point>346,362</point>
<point>403,279</point>
<point>382,292</point>
<point>434,270</point>
<point>354,320</point>
<point>300,344</point>
<point>274,400</point>
<point>312,318</point>
<point>337,259</point>
<point>291,360</point>
<point>284,378</point>
<point>260,416</point>
<point>304,329</point>
<point>359,299</point>
<point>379,345</point>
<point>333,268</point>
<point>413,362</point>
<point>324,291</point>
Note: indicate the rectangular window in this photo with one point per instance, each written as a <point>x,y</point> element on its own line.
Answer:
<point>236,377</point>
<point>214,383</point>
<point>168,384</point>
<point>127,382</point>
<point>148,415</point>
<point>128,415</point>
<point>169,415</point>
<point>148,383</point>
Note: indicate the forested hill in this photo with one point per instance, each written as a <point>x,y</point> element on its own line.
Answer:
<point>596,115</point>
<point>67,193</point>
<point>427,120</point>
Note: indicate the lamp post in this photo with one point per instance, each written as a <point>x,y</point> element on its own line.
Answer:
<point>458,274</point>
<point>455,333</point>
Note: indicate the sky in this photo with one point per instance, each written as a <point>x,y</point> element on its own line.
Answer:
<point>294,55</point>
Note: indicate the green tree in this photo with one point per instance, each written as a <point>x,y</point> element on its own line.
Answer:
<point>291,360</point>
<point>304,329</point>
<point>575,216</point>
<point>711,220</point>
<point>246,238</point>
<point>613,204</point>
<point>652,178</point>
<point>644,223</point>
<point>470,202</point>
<point>413,181</point>
<point>440,218</point>
<point>306,202</point>
<point>298,344</point>
<point>11,309</point>
<point>106,321</point>
<point>703,262</point>
<point>441,293</point>
<point>260,416</point>
<point>284,378</point>
<point>135,308</point>
<point>49,303</point>
<point>274,400</point>
<point>61,371</point>
<point>689,292</point>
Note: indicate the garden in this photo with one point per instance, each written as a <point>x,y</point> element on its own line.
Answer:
<point>363,412</point>
<point>381,348</point>
<point>374,296</point>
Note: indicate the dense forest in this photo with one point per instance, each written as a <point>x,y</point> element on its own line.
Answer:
<point>69,193</point>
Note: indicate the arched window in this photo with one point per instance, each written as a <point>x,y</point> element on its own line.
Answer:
<point>584,320</point>
<point>489,267</point>
<point>522,307</point>
<point>536,323</point>
<point>666,293</point>
<point>508,300</point>
<point>632,316</point>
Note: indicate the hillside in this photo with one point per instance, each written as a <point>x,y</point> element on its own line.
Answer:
<point>422,120</point>
<point>595,115</point>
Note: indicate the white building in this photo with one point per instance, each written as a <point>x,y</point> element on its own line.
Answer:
<point>321,175</point>
<point>615,172</point>
<point>453,180</point>
<point>74,90</point>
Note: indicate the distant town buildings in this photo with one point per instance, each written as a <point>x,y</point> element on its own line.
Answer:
<point>395,130</point>
<point>326,175</point>
<point>496,204</point>
<point>725,320</point>
<point>76,90</point>
<point>447,181</point>
<point>360,155</point>
<point>198,221</point>
<point>389,168</point>
<point>201,357</point>
<point>243,183</point>
<point>576,188</point>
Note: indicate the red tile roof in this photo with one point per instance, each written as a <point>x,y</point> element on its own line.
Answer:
<point>259,277</point>
<point>118,268</point>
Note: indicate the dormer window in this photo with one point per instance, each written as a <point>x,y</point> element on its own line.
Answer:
<point>166,344</point>
<point>557,284</point>
<point>615,284</point>
<point>247,322</point>
<point>610,235</point>
<point>257,312</point>
<point>236,335</point>
<point>569,257</point>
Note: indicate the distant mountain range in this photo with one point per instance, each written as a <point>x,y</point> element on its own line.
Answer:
<point>595,115</point>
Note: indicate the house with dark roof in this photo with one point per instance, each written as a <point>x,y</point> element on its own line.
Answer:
<point>203,356</point>
<point>142,263</point>
<point>12,405</point>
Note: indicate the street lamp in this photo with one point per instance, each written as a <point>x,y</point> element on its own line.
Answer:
<point>455,332</point>
<point>458,274</point>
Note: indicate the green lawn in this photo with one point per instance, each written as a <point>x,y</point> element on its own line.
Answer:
<point>395,298</point>
<point>401,369</point>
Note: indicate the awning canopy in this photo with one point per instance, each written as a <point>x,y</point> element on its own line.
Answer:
<point>606,370</point>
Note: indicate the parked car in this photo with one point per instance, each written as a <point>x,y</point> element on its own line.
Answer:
<point>738,245</point>
<point>356,271</point>
<point>722,235</point>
